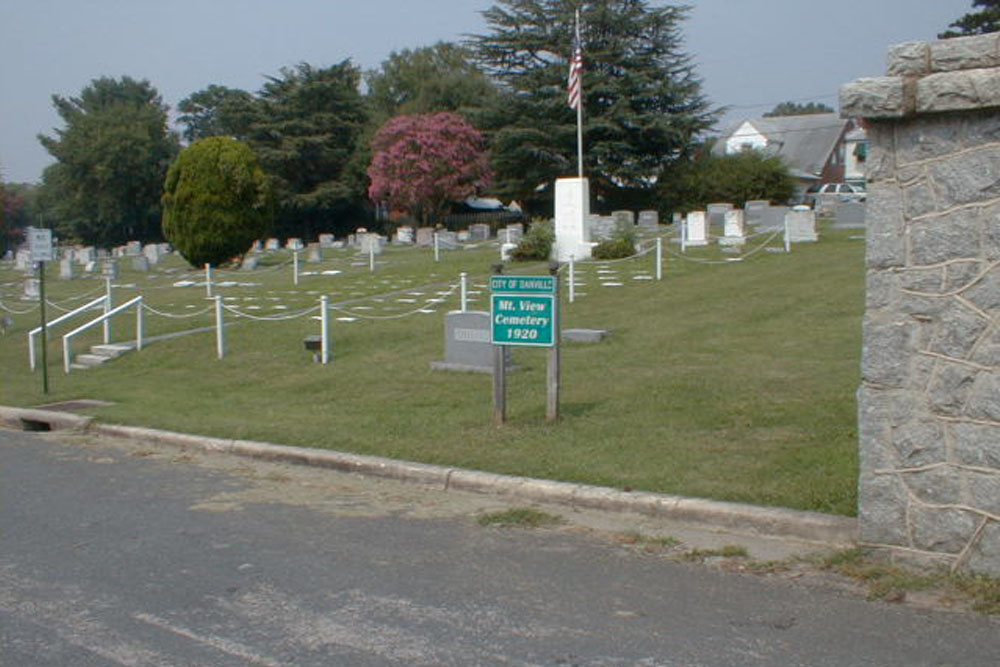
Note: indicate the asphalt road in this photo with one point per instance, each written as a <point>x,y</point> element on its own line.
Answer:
<point>117,554</point>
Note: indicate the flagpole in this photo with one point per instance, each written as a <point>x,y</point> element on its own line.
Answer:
<point>579,111</point>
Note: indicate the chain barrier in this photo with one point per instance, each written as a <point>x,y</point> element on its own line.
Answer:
<point>13,311</point>
<point>271,318</point>
<point>745,255</point>
<point>175,316</point>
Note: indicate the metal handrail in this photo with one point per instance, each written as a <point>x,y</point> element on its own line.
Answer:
<point>67,339</point>
<point>62,318</point>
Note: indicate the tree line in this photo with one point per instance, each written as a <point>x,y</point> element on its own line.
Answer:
<point>312,129</point>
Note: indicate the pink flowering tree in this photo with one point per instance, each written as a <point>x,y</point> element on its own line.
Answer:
<point>424,162</point>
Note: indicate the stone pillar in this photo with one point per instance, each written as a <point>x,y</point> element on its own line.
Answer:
<point>929,402</point>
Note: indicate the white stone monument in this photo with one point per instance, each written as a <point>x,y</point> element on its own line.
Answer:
<point>734,229</point>
<point>800,225</point>
<point>695,229</point>
<point>572,212</point>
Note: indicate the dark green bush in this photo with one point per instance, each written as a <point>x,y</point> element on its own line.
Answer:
<point>536,244</point>
<point>691,185</point>
<point>216,202</point>
<point>619,246</point>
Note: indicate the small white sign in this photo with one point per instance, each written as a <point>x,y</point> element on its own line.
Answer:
<point>40,244</point>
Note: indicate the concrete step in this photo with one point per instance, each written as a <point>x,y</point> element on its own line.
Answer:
<point>112,350</point>
<point>90,359</point>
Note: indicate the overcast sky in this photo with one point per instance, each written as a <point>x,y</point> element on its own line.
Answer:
<point>750,54</point>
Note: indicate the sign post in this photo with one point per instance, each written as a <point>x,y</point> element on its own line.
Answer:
<point>524,312</point>
<point>40,247</point>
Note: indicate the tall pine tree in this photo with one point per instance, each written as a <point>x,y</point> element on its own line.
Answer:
<point>643,104</point>
<point>985,20</point>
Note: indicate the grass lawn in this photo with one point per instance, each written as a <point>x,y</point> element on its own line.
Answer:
<point>726,380</point>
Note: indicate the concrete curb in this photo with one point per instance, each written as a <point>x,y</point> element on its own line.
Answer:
<point>764,521</point>
<point>31,419</point>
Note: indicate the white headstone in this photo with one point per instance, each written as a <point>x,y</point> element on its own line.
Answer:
<point>67,268</point>
<point>326,240</point>
<point>32,289</point>
<point>696,229</point>
<point>273,244</point>
<point>370,243</point>
<point>140,263</point>
<point>572,211</point>
<point>425,236</point>
<point>152,253</point>
<point>23,262</point>
<point>294,244</point>
<point>801,225</point>
<point>624,217</point>
<point>735,232</point>
<point>479,232</point>
<point>405,235</point>
<point>133,248</point>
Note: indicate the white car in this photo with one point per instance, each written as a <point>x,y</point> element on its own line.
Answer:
<point>834,192</point>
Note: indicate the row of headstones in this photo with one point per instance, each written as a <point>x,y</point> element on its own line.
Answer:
<point>800,224</point>
<point>604,227</point>
<point>90,259</point>
<point>368,242</point>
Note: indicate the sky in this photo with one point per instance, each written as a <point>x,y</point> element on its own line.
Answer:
<point>750,54</point>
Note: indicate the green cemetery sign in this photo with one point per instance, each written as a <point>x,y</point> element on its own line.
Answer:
<point>522,310</point>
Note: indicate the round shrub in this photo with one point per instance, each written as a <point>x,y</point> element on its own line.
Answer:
<point>217,201</point>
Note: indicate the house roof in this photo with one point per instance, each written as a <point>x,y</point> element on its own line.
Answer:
<point>805,142</point>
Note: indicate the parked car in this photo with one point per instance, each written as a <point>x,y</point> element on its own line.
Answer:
<point>829,193</point>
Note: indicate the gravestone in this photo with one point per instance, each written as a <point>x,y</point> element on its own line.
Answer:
<point>716,214</point>
<point>140,263</point>
<point>8,256</point>
<point>754,211</point>
<point>67,268</point>
<point>467,345</point>
<point>463,236</point>
<point>447,240</point>
<point>404,235</point>
<point>425,236</point>
<point>801,225</point>
<point>513,234</point>
<point>602,227</point>
<point>294,244</point>
<point>849,215</point>
<point>153,253</point>
<point>572,208</point>
<point>257,246</point>
<point>734,229</point>
<point>133,248</point>
<point>624,217</point>
<point>773,218</point>
<point>369,243</point>
<point>109,268</point>
<point>249,263</point>
<point>103,253</point>
<point>314,253</point>
<point>326,240</point>
<point>32,289</point>
<point>479,232</point>
<point>273,244</point>
<point>677,219</point>
<point>696,229</point>
<point>505,251</point>
<point>649,219</point>
<point>86,255</point>
<point>23,261</point>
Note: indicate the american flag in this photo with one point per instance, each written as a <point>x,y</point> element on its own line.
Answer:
<point>575,70</point>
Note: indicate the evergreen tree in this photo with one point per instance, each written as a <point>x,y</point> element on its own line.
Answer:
<point>642,102</point>
<point>111,158</point>
<point>216,111</point>
<point>216,201</point>
<point>306,129</point>
<point>442,77</point>
<point>985,20</point>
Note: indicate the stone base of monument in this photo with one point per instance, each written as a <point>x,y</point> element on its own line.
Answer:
<point>584,335</point>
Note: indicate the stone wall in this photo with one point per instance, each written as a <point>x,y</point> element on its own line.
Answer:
<point>929,403</point>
